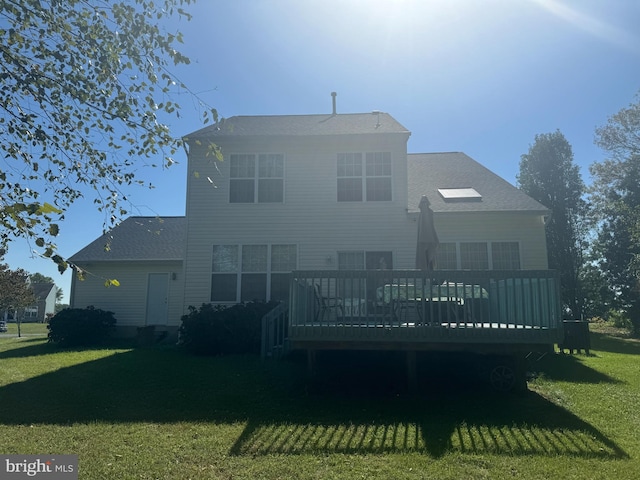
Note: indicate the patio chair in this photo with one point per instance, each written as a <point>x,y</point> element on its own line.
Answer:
<point>326,304</point>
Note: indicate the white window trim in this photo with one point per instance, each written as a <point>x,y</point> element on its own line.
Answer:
<point>364,256</point>
<point>239,270</point>
<point>489,251</point>
<point>256,178</point>
<point>363,177</point>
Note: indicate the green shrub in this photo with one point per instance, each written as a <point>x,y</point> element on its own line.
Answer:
<point>218,330</point>
<point>620,320</point>
<point>81,327</point>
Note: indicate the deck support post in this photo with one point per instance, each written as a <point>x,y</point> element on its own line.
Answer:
<point>311,362</point>
<point>412,376</point>
<point>520,371</point>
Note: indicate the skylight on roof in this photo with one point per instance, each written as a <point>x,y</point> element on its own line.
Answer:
<point>459,194</point>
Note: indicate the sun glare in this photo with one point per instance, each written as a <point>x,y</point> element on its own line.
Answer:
<point>590,24</point>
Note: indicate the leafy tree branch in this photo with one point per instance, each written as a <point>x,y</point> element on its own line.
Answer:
<point>86,93</point>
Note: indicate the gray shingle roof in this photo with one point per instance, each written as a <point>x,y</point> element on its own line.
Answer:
<point>294,125</point>
<point>428,172</point>
<point>41,290</point>
<point>138,238</point>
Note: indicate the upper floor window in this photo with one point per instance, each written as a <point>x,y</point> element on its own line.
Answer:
<point>256,178</point>
<point>370,180</point>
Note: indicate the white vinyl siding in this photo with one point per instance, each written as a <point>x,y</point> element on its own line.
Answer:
<point>525,230</point>
<point>128,302</point>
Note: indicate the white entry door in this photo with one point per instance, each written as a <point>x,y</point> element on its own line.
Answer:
<point>158,299</point>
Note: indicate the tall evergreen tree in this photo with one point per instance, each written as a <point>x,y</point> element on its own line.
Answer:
<point>615,194</point>
<point>549,175</point>
<point>616,197</point>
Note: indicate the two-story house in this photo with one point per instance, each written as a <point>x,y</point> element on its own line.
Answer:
<point>304,192</point>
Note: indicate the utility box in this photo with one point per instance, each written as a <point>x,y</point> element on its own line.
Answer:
<point>576,336</point>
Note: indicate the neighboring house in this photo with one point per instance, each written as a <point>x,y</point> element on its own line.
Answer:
<point>45,306</point>
<point>305,192</point>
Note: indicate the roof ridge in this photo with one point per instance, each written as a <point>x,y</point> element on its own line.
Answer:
<point>373,112</point>
<point>155,216</point>
<point>437,153</point>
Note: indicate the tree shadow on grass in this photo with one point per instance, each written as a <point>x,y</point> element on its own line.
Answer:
<point>38,346</point>
<point>28,348</point>
<point>609,343</point>
<point>569,368</point>
<point>350,411</point>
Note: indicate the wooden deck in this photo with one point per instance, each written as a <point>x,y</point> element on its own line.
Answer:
<point>414,310</point>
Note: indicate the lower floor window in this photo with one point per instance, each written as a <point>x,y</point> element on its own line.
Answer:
<point>447,257</point>
<point>505,255</point>
<point>244,273</point>
<point>474,256</point>
<point>479,256</point>
<point>357,287</point>
<point>360,260</point>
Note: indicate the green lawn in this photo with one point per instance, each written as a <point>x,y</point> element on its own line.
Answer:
<point>159,413</point>
<point>26,329</point>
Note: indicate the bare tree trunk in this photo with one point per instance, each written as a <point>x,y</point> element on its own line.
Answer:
<point>18,322</point>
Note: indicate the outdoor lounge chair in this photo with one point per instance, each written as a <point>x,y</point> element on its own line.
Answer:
<point>326,304</point>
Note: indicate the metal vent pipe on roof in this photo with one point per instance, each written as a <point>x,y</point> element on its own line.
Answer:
<point>333,98</point>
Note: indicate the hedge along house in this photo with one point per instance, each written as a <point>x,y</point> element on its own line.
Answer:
<point>304,192</point>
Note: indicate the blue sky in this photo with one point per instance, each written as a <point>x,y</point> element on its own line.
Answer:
<point>482,77</point>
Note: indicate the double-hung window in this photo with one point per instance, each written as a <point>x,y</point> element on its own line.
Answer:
<point>225,270</point>
<point>354,287</point>
<point>349,177</point>
<point>378,176</point>
<point>256,178</point>
<point>364,177</point>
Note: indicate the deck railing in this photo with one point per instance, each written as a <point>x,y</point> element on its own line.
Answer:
<point>274,341</point>
<point>441,305</point>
